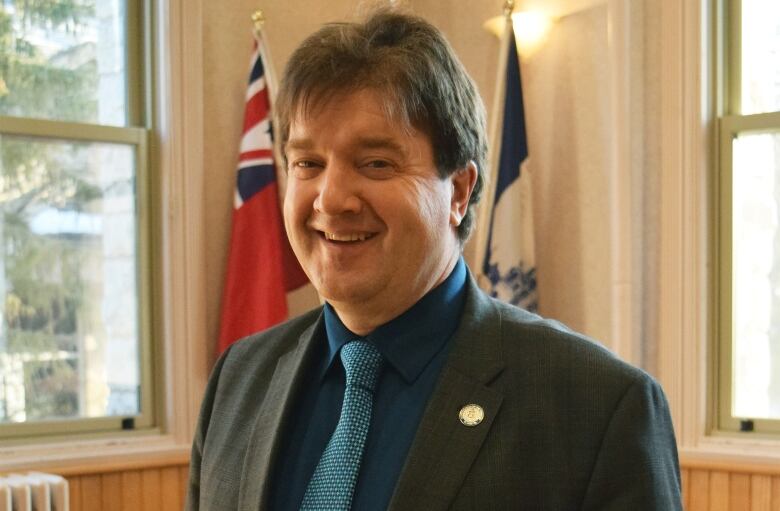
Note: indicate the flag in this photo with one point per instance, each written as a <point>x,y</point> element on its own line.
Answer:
<point>261,265</point>
<point>509,264</point>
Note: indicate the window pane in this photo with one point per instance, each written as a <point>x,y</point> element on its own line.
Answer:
<point>63,60</point>
<point>760,56</point>
<point>756,260</point>
<point>69,333</point>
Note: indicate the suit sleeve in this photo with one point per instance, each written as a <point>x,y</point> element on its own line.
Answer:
<point>637,466</point>
<point>193,491</point>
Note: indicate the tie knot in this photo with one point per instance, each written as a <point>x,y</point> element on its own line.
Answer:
<point>362,362</point>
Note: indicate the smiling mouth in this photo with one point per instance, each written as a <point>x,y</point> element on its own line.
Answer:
<point>347,237</point>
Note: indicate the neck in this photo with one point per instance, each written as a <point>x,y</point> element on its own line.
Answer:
<point>363,318</point>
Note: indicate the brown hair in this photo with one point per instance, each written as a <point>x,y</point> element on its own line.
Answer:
<point>410,63</point>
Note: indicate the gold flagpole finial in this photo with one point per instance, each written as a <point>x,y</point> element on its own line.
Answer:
<point>509,6</point>
<point>258,19</point>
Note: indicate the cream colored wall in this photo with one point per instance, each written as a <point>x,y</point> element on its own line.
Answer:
<point>566,111</point>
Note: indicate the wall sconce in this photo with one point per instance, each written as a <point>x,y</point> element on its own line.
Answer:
<point>531,29</point>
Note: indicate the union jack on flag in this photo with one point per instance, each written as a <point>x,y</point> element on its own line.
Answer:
<point>261,265</point>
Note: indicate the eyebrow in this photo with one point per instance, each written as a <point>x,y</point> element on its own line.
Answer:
<point>388,143</point>
<point>380,143</point>
<point>302,144</point>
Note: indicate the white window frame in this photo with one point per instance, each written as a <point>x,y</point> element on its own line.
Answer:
<point>686,333</point>
<point>731,125</point>
<point>182,355</point>
<point>135,138</point>
<point>133,135</point>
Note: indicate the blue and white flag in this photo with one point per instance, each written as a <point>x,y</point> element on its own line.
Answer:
<point>509,265</point>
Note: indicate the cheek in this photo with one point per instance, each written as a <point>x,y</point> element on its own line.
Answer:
<point>433,207</point>
<point>287,211</point>
<point>295,215</point>
<point>295,203</point>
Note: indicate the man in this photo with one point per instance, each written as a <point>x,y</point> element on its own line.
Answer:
<point>411,389</point>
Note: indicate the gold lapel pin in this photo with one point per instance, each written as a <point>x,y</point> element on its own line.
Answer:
<point>471,415</point>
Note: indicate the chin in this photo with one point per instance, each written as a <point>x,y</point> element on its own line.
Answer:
<point>345,293</point>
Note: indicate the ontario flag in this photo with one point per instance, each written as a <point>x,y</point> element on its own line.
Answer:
<point>261,265</point>
<point>509,266</point>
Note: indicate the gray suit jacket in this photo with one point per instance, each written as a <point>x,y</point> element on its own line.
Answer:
<point>567,425</point>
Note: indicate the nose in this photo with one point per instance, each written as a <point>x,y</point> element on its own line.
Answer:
<point>338,191</point>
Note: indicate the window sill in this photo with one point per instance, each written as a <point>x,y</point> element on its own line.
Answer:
<point>756,455</point>
<point>96,456</point>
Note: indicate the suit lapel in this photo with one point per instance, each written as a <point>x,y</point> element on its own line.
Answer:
<point>273,413</point>
<point>444,449</point>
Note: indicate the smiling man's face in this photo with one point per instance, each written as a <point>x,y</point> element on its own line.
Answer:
<point>368,216</point>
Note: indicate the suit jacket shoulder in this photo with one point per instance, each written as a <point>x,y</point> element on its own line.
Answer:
<point>247,397</point>
<point>567,424</point>
<point>549,349</point>
<point>253,354</point>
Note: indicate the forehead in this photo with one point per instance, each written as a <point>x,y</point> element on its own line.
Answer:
<point>365,113</point>
<point>323,107</point>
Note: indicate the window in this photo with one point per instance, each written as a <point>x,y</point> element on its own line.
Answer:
<point>749,222</point>
<point>75,352</point>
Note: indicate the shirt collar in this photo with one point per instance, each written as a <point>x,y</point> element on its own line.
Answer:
<point>410,341</point>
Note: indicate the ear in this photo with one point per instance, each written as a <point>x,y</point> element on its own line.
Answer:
<point>463,181</point>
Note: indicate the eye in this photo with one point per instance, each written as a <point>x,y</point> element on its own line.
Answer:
<point>377,164</point>
<point>304,168</point>
<point>377,169</point>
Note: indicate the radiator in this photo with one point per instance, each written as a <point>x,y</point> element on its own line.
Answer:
<point>33,491</point>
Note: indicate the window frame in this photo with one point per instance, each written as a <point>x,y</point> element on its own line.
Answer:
<point>136,135</point>
<point>731,124</point>
<point>687,289</point>
<point>183,344</point>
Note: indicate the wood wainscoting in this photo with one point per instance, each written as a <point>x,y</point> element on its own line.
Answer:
<point>148,489</point>
<point>139,486</point>
<point>162,487</point>
<point>709,486</point>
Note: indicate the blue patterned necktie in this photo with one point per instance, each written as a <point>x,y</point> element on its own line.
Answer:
<point>333,483</point>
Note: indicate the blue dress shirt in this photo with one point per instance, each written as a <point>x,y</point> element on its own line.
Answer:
<point>414,346</point>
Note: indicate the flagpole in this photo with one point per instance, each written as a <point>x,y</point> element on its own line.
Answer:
<point>494,132</point>
<point>258,22</point>
<point>258,18</point>
<point>509,7</point>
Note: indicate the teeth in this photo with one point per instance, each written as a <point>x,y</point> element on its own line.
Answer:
<point>346,237</point>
